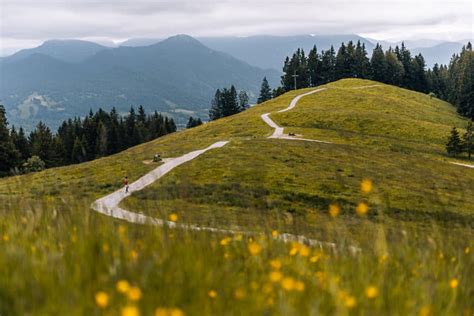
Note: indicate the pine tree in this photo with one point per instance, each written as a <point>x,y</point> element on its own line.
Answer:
<point>21,143</point>
<point>393,69</point>
<point>79,153</point>
<point>454,145</point>
<point>9,156</point>
<point>362,63</point>
<point>265,92</point>
<point>378,64</point>
<point>42,145</point>
<point>215,111</point>
<point>243,101</point>
<point>192,122</point>
<point>314,65</point>
<point>468,139</point>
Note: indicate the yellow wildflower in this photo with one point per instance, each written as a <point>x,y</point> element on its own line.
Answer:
<point>275,276</point>
<point>5,237</point>
<point>362,208</point>
<point>467,250</point>
<point>173,217</point>
<point>123,286</point>
<point>454,283</point>
<point>299,286</point>
<point>366,186</point>
<point>212,294</point>
<point>168,312</point>
<point>350,301</point>
<point>334,210</point>
<point>239,293</point>
<point>105,248</point>
<point>238,237</point>
<point>304,251</point>
<point>134,294</point>
<point>315,258</point>
<point>288,284</point>
<point>122,229</point>
<point>254,248</point>
<point>275,233</point>
<point>371,292</point>
<point>134,255</point>
<point>275,264</point>
<point>225,241</point>
<point>425,311</point>
<point>101,299</point>
<point>130,310</point>
<point>175,312</point>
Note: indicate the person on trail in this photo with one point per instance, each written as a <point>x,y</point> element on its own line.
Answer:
<point>125,183</point>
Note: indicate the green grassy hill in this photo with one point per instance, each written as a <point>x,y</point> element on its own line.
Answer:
<point>420,211</point>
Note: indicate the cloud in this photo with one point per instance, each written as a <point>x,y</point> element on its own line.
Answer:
<point>32,21</point>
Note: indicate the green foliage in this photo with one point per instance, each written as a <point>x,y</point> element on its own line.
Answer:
<point>33,164</point>
<point>468,139</point>
<point>9,155</point>
<point>265,91</point>
<point>226,103</point>
<point>454,145</point>
<point>193,122</point>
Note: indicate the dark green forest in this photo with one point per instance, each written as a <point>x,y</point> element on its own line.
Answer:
<point>396,66</point>
<point>77,140</point>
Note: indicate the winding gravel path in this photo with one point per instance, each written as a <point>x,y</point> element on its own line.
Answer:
<point>278,133</point>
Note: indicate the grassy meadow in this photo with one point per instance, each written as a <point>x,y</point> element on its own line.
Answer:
<point>384,185</point>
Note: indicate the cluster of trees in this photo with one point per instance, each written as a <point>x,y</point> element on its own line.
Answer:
<point>193,122</point>
<point>396,66</point>
<point>77,140</point>
<point>457,145</point>
<point>228,102</point>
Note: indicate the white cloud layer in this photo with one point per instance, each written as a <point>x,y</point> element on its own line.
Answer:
<point>26,23</point>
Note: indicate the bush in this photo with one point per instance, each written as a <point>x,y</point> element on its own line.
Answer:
<point>34,164</point>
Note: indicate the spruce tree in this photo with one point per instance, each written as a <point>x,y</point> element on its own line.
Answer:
<point>468,139</point>
<point>42,145</point>
<point>265,91</point>
<point>454,145</point>
<point>243,101</point>
<point>393,69</point>
<point>378,64</point>
<point>9,156</point>
<point>314,65</point>
<point>215,111</point>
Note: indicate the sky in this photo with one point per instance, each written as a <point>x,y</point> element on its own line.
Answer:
<point>27,23</point>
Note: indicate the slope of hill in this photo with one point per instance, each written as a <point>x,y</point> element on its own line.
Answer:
<point>416,237</point>
<point>178,76</point>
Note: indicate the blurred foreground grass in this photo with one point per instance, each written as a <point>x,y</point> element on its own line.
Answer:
<point>62,260</point>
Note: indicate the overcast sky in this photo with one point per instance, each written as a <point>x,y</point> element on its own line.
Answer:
<point>27,23</point>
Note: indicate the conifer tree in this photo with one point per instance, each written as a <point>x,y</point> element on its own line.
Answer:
<point>9,156</point>
<point>468,139</point>
<point>42,145</point>
<point>265,91</point>
<point>243,101</point>
<point>378,64</point>
<point>454,145</point>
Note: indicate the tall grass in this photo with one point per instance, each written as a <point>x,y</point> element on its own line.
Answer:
<point>62,259</point>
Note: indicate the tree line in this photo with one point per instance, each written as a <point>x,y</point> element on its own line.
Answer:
<point>457,145</point>
<point>228,102</point>
<point>396,66</point>
<point>77,140</point>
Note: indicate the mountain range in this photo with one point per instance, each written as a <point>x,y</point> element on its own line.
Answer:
<point>177,76</point>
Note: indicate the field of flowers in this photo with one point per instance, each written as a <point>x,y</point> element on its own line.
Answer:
<point>63,261</point>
